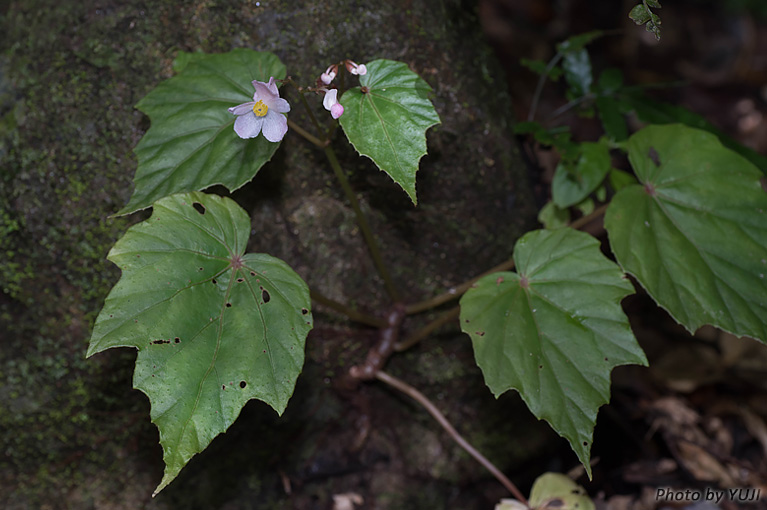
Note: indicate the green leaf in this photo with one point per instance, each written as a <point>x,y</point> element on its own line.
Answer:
<point>214,327</point>
<point>601,193</point>
<point>694,232</point>
<point>569,188</point>
<point>585,206</point>
<point>577,66</point>
<point>578,42</point>
<point>610,81</point>
<point>612,118</point>
<point>655,112</point>
<point>540,67</point>
<point>552,217</point>
<point>184,58</point>
<point>191,144</point>
<point>556,491</point>
<point>640,14</point>
<point>554,330</point>
<point>619,179</point>
<point>388,121</point>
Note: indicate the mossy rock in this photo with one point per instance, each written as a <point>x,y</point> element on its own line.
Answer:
<point>70,74</point>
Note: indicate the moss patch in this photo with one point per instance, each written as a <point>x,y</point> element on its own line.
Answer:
<point>70,74</point>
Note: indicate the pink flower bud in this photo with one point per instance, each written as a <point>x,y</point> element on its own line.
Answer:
<point>330,102</point>
<point>354,68</point>
<point>336,110</point>
<point>329,74</point>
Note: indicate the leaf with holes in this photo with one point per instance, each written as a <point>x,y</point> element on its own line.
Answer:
<point>694,231</point>
<point>214,326</point>
<point>553,330</point>
<point>191,144</point>
<point>387,117</point>
<point>557,491</point>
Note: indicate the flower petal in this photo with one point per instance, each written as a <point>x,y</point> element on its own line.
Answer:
<point>331,98</point>
<point>279,105</point>
<point>242,109</point>
<point>336,110</point>
<point>248,126</point>
<point>275,126</point>
<point>263,91</point>
<point>273,87</point>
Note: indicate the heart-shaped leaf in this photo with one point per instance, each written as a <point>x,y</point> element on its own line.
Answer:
<point>694,231</point>
<point>570,187</point>
<point>191,144</point>
<point>554,330</point>
<point>387,117</point>
<point>214,327</point>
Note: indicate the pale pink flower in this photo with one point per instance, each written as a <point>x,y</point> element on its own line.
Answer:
<point>329,74</point>
<point>263,114</point>
<point>354,68</point>
<point>330,102</point>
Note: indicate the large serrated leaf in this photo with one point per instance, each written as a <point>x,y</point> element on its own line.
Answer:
<point>554,330</point>
<point>214,327</point>
<point>694,232</point>
<point>387,117</point>
<point>191,144</point>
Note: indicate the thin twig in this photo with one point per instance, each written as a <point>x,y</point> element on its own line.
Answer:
<point>585,220</point>
<point>427,330</point>
<point>351,313</point>
<point>458,290</point>
<point>362,221</point>
<point>306,134</point>
<point>539,87</point>
<point>437,415</point>
<point>309,111</point>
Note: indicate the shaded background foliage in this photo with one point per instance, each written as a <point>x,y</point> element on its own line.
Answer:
<point>74,435</point>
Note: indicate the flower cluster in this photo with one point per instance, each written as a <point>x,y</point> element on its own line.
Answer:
<point>330,102</point>
<point>263,114</point>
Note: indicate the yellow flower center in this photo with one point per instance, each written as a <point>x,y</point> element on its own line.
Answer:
<point>260,109</point>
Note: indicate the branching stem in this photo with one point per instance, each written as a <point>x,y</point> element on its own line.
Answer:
<point>437,415</point>
<point>458,291</point>
<point>351,313</point>
<point>427,330</point>
<point>362,221</point>
<point>309,111</point>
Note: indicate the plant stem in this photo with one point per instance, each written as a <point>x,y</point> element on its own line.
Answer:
<point>539,87</point>
<point>425,331</point>
<point>437,415</point>
<point>309,111</point>
<point>307,135</point>
<point>363,224</point>
<point>457,291</point>
<point>585,220</point>
<point>351,313</point>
